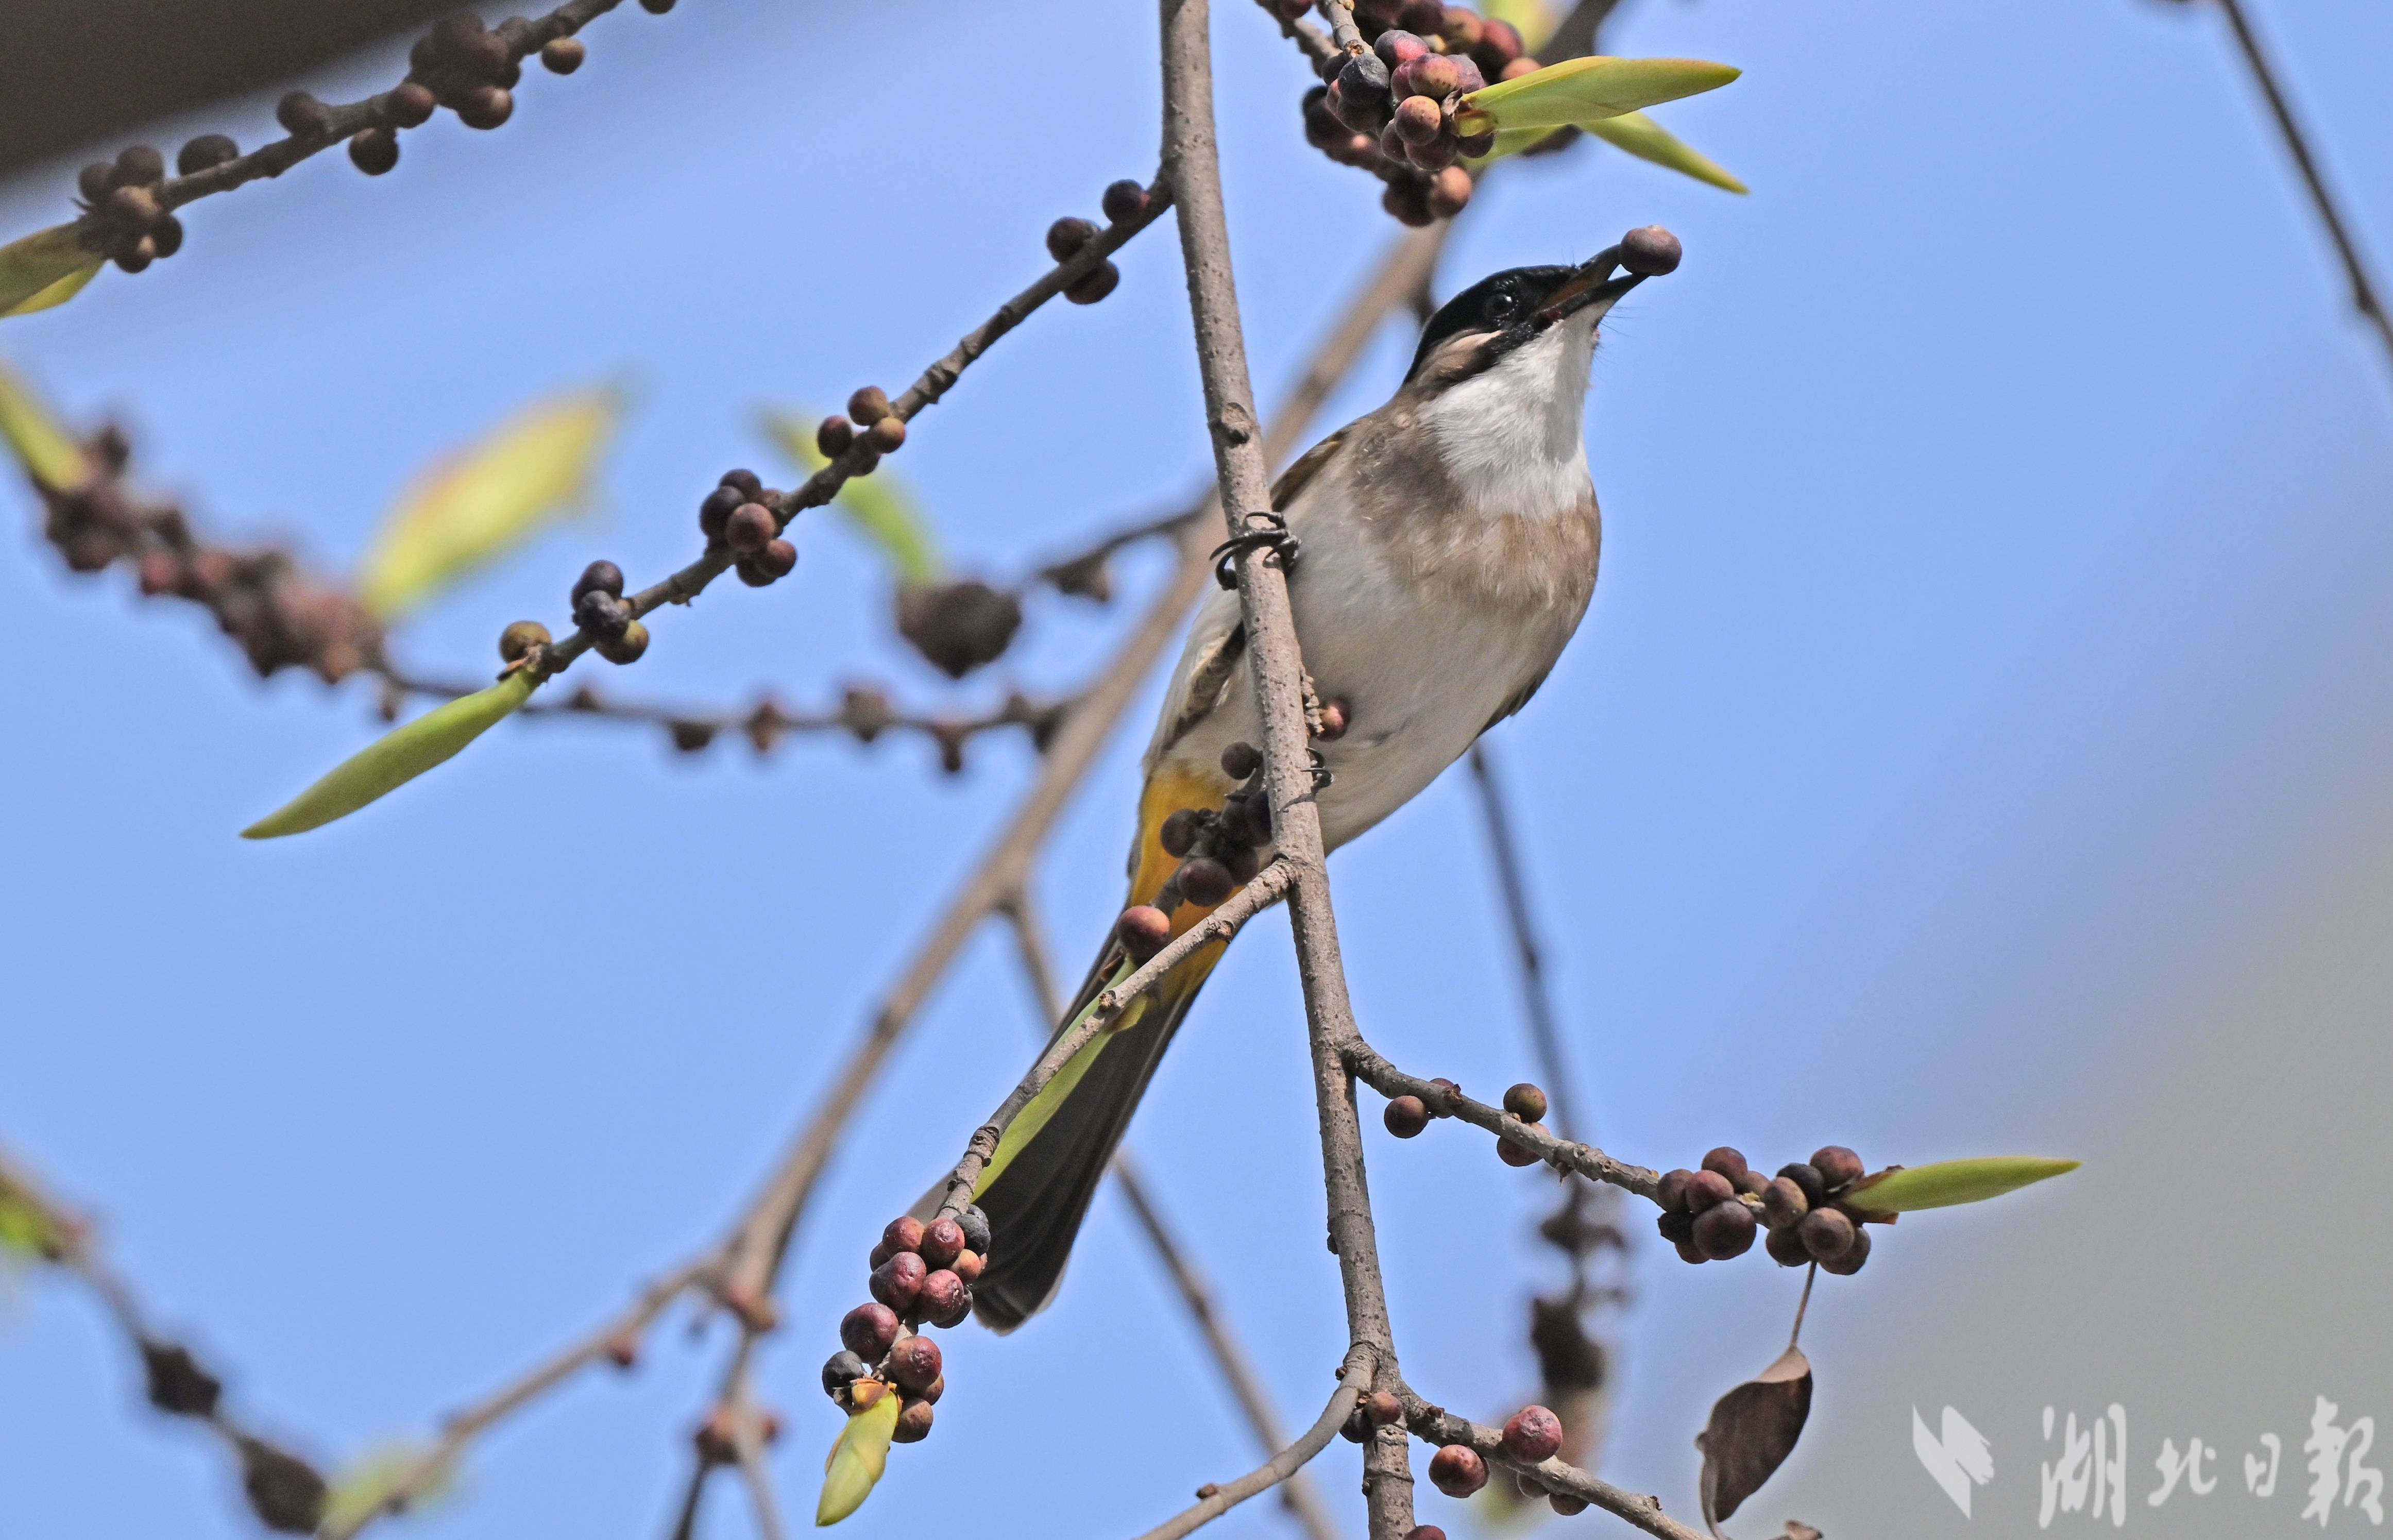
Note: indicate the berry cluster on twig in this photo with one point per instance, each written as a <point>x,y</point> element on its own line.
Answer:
<point>921,1276</point>
<point>1713,1213</point>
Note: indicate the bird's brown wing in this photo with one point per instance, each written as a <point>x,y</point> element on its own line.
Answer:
<point>1308,465</point>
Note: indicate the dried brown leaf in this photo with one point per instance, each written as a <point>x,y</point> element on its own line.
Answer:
<point>1752,1430</point>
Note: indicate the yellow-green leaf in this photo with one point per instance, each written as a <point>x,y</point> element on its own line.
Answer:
<point>396,758</point>
<point>45,269</point>
<point>1648,140</point>
<point>1943,1184</point>
<point>858,1459</point>
<point>25,1228</point>
<point>478,503</point>
<point>360,1490</point>
<point>41,442</point>
<point>880,506</point>
<point>1585,90</point>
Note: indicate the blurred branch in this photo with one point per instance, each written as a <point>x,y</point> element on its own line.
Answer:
<point>1229,1356</point>
<point>2364,297</point>
<point>1545,1033</point>
<point>1436,1424</point>
<point>1214,1501</point>
<point>1192,162</point>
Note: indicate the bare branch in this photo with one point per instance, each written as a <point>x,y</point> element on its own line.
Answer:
<point>1352,1382</point>
<point>1192,164</point>
<point>2364,298</point>
<point>1436,1424</point>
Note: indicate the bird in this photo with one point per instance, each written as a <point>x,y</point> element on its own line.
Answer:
<point>1443,551</point>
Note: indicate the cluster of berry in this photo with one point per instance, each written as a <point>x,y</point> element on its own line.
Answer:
<point>1220,849</point>
<point>1407,1115</point>
<point>1532,1436</point>
<point>135,229</point>
<point>1391,109</point>
<point>1704,1213</point>
<point>922,1275</point>
<point>598,608</point>
<point>1122,200</point>
<point>738,513</point>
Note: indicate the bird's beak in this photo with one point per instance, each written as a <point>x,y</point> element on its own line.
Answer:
<point>1591,286</point>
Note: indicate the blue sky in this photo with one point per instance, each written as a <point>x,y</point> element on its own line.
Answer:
<point>1984,686</point>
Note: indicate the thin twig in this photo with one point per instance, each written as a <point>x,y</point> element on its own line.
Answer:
<point>1229,1355</point>
<point>1353,1380</point>
<point>1192,164</point>
<point>1563,1155</point>
<point>2363,290</point>
<point>1435,1425</point>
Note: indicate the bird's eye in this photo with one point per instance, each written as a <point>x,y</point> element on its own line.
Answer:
<point>1503,308</point>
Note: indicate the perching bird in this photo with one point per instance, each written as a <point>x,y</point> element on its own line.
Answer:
<point>1445,552</point>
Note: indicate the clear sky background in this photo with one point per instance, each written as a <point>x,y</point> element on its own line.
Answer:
<point>1977,745</point>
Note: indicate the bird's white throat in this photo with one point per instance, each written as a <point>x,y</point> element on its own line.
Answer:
<point>1510,435</point>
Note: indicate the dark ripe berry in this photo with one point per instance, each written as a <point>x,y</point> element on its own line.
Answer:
<point>1458,1471</point>
<point>1725,1229</point>
<point>1446,1091</point>
<point>878,1255</point>
<point>750,529</point>
<point>751,573</point>
<point>520,638</point>
<point>1124,200</point>
<point>599,577</point>
<point>373,150</point>
<point>1243,863</point>
<point>1432,75</point>
<point>834,434</point>
<point>914,1417</point>
<point>1178,834</point>
<point>1364,115</point>
<point>1471,80</point>
<point>1690,1252</point>
<point>1785,1247</point>
<point>714,513</point>
<point>1805,1175</point>
<point>1567,1505</point>
<point>1854,1256</point>
<point>1727,1160</point>
<point>625,647</point>
<point>1676,1224</point>
<point>942,1300</point>
<point>1827,1233</point>
<point>1397,47</point>
<point>656,8</point>
<point>1837,1166</point>
<point>97,180</point>
<point>1783,1204</point>
<point>778,559</point>
<point>166,234</point>
<point>133,256</point>
<point>1650,251</point>
<point>1472,146</point>
<point>943,1240</point>
<point>898,1281</point>
<point>1241,760</point>
<point>1393,146</point>
<point>1751,1182</point>
<point>410,104</point>
<point>967,1266</point>
<point>1425,1532</point>
<point>1322,129</point>
<point>1381,1409</point>
<point>1099,282</point>
<point>140,166</point>
<point>1334,715</point>
<point>1143,931</point>
<point>1418,121</point>
<point>903,1233</point>
<point>868,405</point>
<point>841,1370</point>
<point>1405,1117</point>
<point>563,55</point>
<point>1425,17</point>
<point>131,208</point>
<point>486,106</point>
<point>1671,1190</point>
<point>1067,235</point>
<point>1518,68</point>
<point>1407,201</point>
<point>1526,1101</point>
<point>1461,28</point>
<point>869,1329</point>
<point>284,1491</point>
<point>936,1388</point>
<point>914,1364</point>
<point>1205,881</point>
<point>1533,1435</point>
<point>886,435</point>
<point>975,1225</point>
<point>300,112</point>
<point>1519,1154</point>
<point>1363,78</point>
<point>1499,43</point>
<point>1449,190</point>
<point>1706,1188</point>
<point>1357,1428</point>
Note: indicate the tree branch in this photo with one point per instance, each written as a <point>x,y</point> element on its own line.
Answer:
<point>1192,165</point>
<point>1353,1380</point>
<point>2363,290</point>
<point>1436,1424</point>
